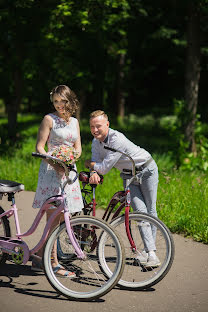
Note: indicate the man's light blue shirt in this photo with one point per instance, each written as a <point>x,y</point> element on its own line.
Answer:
<point>105,159</point>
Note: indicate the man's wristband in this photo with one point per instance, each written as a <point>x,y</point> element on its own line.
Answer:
<point>92,172</point>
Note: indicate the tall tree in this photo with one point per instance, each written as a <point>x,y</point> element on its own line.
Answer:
<point>18,44</point>
<point>192,71</point>
<point>111,52</point>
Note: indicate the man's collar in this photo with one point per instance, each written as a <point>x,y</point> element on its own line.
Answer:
<point>106,139</point>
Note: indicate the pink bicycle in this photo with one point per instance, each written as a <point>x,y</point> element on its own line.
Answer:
<point>87,242</point>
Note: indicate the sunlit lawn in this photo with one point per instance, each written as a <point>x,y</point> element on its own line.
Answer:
<point>182,196</point>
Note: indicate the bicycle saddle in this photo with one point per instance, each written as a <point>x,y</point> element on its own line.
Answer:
<point>7,186</point>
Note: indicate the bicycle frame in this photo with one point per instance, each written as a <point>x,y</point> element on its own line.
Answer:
<point>117,197</point>
<point>9,244</point>
<point>127,196</point>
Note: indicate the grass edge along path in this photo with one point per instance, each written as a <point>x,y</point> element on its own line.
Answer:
<point>182,196</point>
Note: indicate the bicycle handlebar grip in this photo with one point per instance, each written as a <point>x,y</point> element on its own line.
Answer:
<point>110,149</point>
<point>39,155</point>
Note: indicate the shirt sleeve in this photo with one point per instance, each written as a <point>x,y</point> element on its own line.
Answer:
<point>110,158</point>
<point>95,152</point>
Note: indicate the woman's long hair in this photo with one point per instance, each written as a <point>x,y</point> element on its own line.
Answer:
<point>72,102</point>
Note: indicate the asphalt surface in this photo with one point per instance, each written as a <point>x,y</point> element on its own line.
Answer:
<point>184,288</point>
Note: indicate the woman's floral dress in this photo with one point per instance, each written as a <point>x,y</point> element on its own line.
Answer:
<point>49,180</point>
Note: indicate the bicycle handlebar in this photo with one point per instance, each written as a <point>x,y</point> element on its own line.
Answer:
<point>130,158</point>
<point>66,168</point>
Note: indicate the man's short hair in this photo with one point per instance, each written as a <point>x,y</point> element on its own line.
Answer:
<point>98,113</point>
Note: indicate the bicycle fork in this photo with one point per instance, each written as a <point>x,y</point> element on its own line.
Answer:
<point>127,209</point>
<point>80,254</point>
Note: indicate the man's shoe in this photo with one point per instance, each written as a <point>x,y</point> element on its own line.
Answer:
<point>141,257</point>
<point>152,262</point>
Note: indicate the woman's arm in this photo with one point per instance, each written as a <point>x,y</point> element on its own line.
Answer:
<point>77,144</point>
<point>43,134</point>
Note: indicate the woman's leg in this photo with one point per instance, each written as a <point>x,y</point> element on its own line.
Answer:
<point>60,270</point>
<point>54,259</point>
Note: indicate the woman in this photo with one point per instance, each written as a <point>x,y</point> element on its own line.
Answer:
<point>57,128</point>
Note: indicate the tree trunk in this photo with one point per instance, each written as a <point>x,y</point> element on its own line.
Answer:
<point>192,72</point>
<point>120,98</point>
<point>13,105</point>
<point>82,101</point>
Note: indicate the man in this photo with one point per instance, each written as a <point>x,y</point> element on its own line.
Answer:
<point>143,193</point>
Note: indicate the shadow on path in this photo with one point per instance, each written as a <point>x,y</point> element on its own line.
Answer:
<point>8,273</point>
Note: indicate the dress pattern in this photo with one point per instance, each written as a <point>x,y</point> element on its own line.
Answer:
<point>49,181</point>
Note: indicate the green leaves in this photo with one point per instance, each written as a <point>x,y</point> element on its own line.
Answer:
<point>24,3</point>
<point>165,33</point>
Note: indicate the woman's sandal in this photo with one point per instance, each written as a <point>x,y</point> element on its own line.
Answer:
<point>37,264</point>
<point>67,274</point>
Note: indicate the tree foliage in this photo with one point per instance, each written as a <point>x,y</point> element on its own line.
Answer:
<point>123,56</point>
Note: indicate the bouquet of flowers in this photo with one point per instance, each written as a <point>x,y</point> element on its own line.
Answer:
<point>65,153</point>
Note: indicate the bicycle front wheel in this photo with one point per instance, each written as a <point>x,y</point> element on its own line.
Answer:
<point>98,240</point>
<point>136,275</point>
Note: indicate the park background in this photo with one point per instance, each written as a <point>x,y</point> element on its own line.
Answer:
<point>144,62</point>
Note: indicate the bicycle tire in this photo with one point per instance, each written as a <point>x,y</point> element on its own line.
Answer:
<point>5,231</point>
<point>90,282</point>
<point>135,275</point>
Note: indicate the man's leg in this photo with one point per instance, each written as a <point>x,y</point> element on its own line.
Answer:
<point>138,204</point>
<point>148,188</point>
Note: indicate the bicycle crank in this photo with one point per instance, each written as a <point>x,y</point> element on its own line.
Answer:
<point>18,255</point>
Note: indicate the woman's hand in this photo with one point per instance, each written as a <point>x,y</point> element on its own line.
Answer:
<point>58,168</point>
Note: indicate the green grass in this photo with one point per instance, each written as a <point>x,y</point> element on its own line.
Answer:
<point>182,196</point>
<point>182,203</point>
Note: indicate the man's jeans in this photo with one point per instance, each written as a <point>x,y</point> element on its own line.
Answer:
<point>143,199</point>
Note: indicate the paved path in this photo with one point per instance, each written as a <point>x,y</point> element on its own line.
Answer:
<point>184,289</point>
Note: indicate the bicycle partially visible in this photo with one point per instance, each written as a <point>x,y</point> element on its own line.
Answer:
<point>132,227</point>
<point>88,243</point>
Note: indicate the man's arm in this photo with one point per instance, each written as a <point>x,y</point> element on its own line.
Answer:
<point>94,177</point>
<point>111,158</point>
<point>89,164</point>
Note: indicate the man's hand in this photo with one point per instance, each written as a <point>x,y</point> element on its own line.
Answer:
<point>94,179</point>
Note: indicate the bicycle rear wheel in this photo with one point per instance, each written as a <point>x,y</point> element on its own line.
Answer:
<point>98,240</point>
<point>135,275</point>
<point>5,231</point>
